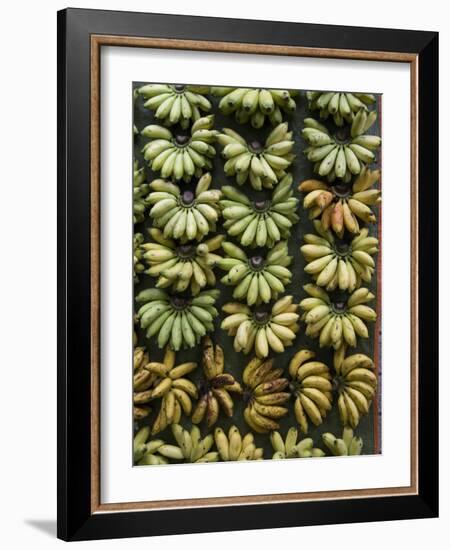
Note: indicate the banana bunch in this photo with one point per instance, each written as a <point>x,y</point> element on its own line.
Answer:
<point>176,104</point>
<point>336,263</point>
<point>340,206</point>
<point>140,192</point>
<point>181,156</point>
<point>356,383</point>
<point>191,446</point>
<point>138,266</point>
<point>254,105</point>
<point>235,447</point>
<point>146,452</point>
<point>263,395</point>
<point>342,154</point>
<point>260,222</point>
<point>142,381</point>
<point>263,164</point>
<point>181,266</point>
<point>215,388</point>
<point>178,321</point>
<point>291,448</point>
<point>348,445</point>
<point>172,388</point>
<point>259,329</point>
<point>342,106</point>
<point>339,322</point>
<point>311,386</point>
<point>256,279</point>
<point>184,215</point>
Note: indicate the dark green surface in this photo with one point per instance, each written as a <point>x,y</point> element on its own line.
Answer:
<point>235,362</point>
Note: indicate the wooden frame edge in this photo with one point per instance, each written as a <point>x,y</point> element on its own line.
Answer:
<point>261,49</point>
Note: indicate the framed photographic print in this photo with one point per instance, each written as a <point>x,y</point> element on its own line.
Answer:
<point>247,274</point>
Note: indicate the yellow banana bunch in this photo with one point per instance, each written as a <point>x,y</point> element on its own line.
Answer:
<point>340,207</point>
<point>138,266</point>
<point>142,381</point>
<point>140,192</point>
<point>260,222</point>
<point>342,106</point>
<point>146,452</point>
<point>184,215</point>
<point>264,164</point>
<point>255,104</point>
<point>348,445</point>
<point>338,322</point>
<point>170,387</point>
<point>259,329</point>
<point>181,266</point>
<point>357,385</point>
<point>312,388</point>
<point>215,388</point>
<point>263,395</point>
<point>191,446</point>
<point>233,446</point>
<point>181,156</point>
<point>256,279</point>
<point>344,153</point>
<point>291,448</point>
<point>177,103</point>
<point>335,263</point>
<point>177,321</point>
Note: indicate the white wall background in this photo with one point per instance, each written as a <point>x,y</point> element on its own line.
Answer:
<point>28,274</point>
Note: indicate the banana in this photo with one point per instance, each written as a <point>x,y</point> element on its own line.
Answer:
<point>338,323</point>
<point>233,446</point>
<point>341,106</point>
<point>215,388</point>
<point>338,212</point>
<point>181,156</point>
<point>291,448</point>
<point>264,165</point>
<point>345,446</point>
<point>261,330</point>
<point>255,105</point>
<point>179,322</point>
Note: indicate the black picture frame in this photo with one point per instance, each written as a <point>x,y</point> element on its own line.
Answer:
<point>76,521</point>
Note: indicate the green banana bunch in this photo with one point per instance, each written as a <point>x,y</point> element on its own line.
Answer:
<point>181,156</point>
<point>142,381</point>
<point>146,452</point>
<point>260,222</point>
<point>311,387</point>
<point>172,388</point>
<point>181,266</point>
<point>340,206</point>
<point>336,263</point>
<point>140,191</point>
<point>191,447</point>
<point>177,321</point>
<point>291,448</point>
<point>356,384</point>
<point>255,104</point>
<point>348,445</point>
<point>176,103</point>
<point>342,106</point>
<point>263,395</point>
<point>215,387</point>
<point>235,447</point>
<point>259,329</point>
<point>338,322</point>
<point>256,279</point>
<point>138,266</point>
<point>263,164</point>
<point>342,154</point>
<point>184,215</point>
